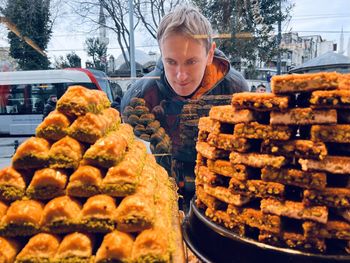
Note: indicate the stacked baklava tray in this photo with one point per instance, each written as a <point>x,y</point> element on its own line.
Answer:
<point>275,167</point>
<point>84,190</point>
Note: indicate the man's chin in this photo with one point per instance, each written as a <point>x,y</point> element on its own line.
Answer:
<point>184,92</point>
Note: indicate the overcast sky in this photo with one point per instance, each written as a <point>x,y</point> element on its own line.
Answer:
<point>309,17</point>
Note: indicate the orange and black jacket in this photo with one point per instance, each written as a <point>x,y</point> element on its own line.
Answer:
<point>219,79</point>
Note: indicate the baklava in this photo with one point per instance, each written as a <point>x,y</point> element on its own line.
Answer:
<point>53,127</point>
<point>12,184</point>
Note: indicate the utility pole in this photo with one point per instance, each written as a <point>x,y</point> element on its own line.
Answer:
<point>132,41</point>
<point>279,38</point>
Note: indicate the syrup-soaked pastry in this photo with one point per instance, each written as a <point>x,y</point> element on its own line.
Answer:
<point>339,99</point>
<point>140,110</point>
<point>225,195</point>
<point>22,218</point>
<point>97,215</point>
<point>257,188</point>
<point>217,99</point>
<point>209,152</point>
<point>259,101</point>
<point>303,116</point>
<point>109,151</point>
<point>265,222</point>
<point>344,81</point>
<point>9,249</point>
<point>151,245</point>
<point>331,164</point>
<point>78,101</point>
<point>331,133</point>
<point>295,83</point>
<point>257,160</point>
<point>225,168</point>
<point>296,210</point>
<point>116,247</point>
<point>61,215</point>
<point>229,114</point>
<point>205,176</point>
<point>134,102</point>
<point>146,119</point>
<point>127,112</point>
<point>53,127</point>
<point>75,247</point>
<point>12,184</point>
<point>146,137</point>
<point>316,180</point>
<point>223,218</point>
<point>208,125</point>
<point>47,183</point>
<point>139,130</point>
<point>32,153</point>
<point>152,127</point>
<point>335,229</point>
<point>202,136</point>
<point>66,153</point>
<point>85,181</point>
<point>254,130</point>
<point>149,177</point>
<point>157,136</point>
<point>228,142</point>
<point>332,197</point>
<point>40,248</point>
<point>90,127</point>
<point>293,240</point>
<point>3,209</point>
<point>133,120</point>
<point>295,148</point>
<point>208,200</point>
<point>135,213</point>
<point>122,180</point>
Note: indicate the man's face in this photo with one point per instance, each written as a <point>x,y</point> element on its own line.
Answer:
<point>185,60</point>
<point>260,90</point>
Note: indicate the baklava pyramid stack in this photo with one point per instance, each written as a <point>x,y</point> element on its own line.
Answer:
<point>276,167</point>
<point>84,190</point>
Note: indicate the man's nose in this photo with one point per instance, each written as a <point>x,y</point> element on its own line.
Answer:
<point>181,74</point>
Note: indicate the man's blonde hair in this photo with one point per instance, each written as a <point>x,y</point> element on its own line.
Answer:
<point>186,20</point>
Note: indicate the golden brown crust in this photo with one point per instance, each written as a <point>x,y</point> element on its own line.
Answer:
<point>66,153</point>
<point>330,99</point>
<point>225,195</point>
<point>257,160</point>
<point>331,164</point>
<point>209,152</point>
<point>331,133</point>
<point>78,100</point>
<point>295,177</point>
<point>115,246</point>
<point>77,245</point>
<point>304,82</point>
<point>297,148</point>
<point>303,116</point>
<point>229,114</point>
<point>255,130</point>
<point>332,197</point>
<point>259,101</point>
<point>332,229</point>
<point>257,188</point>
<point>12,184</point>
<point>39,247</point>
<point>53,127</point>
<point>32,153</point>
<point>9,249</point>
<point>225,168</point>
<point>295,210</point>
<point>228,142</point>
<point>85,181</point>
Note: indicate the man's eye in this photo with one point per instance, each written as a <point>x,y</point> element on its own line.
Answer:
<point>192,62</point>
<point>170,62</point>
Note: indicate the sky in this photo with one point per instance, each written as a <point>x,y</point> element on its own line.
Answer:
<point>309,17</point>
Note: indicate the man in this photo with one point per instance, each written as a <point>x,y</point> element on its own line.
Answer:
<point>190,67</point>
<point>50,105</point>
<point>261,89</point>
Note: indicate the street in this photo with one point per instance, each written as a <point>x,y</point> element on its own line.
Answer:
<point>7,148</point>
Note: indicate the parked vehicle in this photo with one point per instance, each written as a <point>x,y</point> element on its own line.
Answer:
<point>23,94</point>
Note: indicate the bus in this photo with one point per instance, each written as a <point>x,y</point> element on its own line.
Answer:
<point>23,94</point>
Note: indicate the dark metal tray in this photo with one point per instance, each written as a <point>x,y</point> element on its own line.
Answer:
<point>213,243</point>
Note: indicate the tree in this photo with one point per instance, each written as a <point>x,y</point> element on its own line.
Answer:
<point>151,12</point>
<point>98,51</point>
<point>71,60</point>
<point>250,25</point>
<point>31,18</point>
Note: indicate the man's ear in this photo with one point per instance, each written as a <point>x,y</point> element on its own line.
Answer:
<point>211,53</point>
